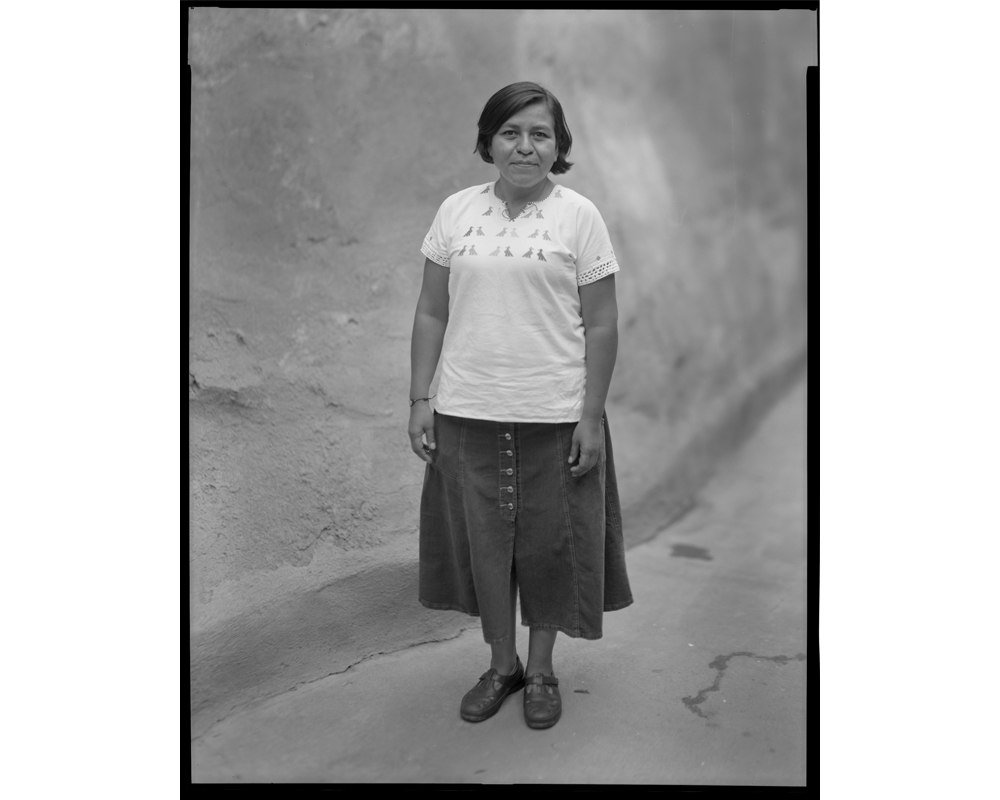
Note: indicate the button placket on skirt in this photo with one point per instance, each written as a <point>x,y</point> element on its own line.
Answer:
<point>507,477</point>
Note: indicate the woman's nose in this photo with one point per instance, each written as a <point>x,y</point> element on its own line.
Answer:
<point>524,146</point>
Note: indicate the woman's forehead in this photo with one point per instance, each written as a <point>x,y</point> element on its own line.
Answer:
<point>536,115</point>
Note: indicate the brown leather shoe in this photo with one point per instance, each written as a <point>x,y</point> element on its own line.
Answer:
<point>484,699</point>
<point>542,701</point>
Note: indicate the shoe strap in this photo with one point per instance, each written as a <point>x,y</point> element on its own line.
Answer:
<point>493,675</point>
<point>539,678</point>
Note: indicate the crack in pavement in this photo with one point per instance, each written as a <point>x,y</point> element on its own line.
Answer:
<point>720,663</point>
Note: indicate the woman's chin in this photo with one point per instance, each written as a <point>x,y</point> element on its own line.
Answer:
<point>524,178</point>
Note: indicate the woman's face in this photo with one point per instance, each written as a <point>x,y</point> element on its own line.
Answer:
<point>524,149</point>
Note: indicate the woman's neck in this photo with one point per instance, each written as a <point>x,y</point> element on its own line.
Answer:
<point>516,195</point>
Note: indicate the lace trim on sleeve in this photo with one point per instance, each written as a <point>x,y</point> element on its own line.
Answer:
<point>437,258</point>
<point>602,270</point>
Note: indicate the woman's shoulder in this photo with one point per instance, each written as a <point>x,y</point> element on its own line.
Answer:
<point>572,200</point>
<point>572,197</point>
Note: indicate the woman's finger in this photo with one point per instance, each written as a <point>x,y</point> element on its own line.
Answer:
<point>574,451</point>
<point>429,432</point>
<point>417,446</point>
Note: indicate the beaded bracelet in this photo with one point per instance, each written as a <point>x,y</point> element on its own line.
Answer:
<point>422,398</point>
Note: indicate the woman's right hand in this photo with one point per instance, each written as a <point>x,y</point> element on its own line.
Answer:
<point>421,425</point>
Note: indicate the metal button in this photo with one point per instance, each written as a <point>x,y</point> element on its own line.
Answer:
<point>510,472</point>
<point>510,452</point>
<point>507,435</point>
<point>510,505</point>
<point>510,488</point>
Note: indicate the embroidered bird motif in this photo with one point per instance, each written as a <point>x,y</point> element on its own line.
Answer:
<point>485,191</point>
<point>496,252</point>
<point>513,233</point>
<point>472,250</point>
<point>556,193</point>
<point>528,254</point>
<point>508,253</point>
<point>545,236</point>
<point>461,252</point>
<point>538,214</point>
<point>488,211</point>
<point>468,232</point>
<point>479,232</point>
<point>503,232</point>
<point>540,256</point>
<point>534,234</point>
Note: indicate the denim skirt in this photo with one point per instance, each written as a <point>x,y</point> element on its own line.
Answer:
<point>499,497</point>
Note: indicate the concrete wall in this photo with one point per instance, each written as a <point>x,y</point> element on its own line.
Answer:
<point>322,143</point>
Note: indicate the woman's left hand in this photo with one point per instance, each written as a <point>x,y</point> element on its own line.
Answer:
<point>588,437</point>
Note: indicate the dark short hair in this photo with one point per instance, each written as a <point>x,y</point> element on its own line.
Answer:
<point>506,103</point>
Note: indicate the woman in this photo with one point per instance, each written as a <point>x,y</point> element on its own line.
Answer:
<point>519,489</point>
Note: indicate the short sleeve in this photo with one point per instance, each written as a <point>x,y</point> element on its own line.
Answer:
<point>436,246</point>
<point>596,257</point>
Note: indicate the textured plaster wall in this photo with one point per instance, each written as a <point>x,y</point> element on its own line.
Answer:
<point>322,143</point>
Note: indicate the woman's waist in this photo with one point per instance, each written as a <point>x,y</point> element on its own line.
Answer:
<point>499,406</point>
<point>483,388</point>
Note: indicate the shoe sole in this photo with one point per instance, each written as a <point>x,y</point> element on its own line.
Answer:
<point>469,718</point>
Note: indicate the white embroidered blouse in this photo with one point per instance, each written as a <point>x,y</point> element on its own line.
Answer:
<point>514,349</point>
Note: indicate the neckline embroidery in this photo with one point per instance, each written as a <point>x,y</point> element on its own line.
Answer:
<point>553,190</point>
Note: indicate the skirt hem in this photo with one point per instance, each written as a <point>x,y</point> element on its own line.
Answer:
<point>446,607</point>
<point>571,633</point>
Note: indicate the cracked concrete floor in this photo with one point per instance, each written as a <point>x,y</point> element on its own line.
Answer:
<point>701,681</point>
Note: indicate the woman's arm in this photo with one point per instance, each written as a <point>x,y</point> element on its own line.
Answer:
<point>600,322</point>
<point>429,324</point>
